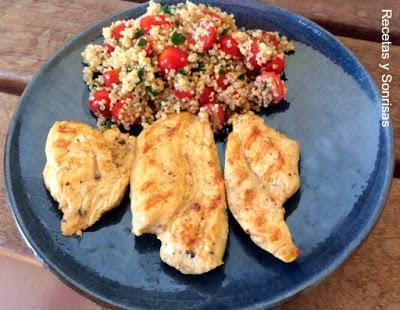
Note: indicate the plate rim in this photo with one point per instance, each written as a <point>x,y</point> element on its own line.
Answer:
<point>279,299</point>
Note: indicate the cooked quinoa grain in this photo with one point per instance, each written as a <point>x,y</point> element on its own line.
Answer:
<point>186,57</point>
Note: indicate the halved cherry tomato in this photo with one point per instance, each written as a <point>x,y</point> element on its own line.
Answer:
<point>221,83</point>
<point>275,65</point>
<point>209,38</point>
<point>183,94</point>
<point>269,37</point>
<point>156,20</point>
<point>115,111</point>
<point>278,87</point>
<point>252,74</point>
<point>172,58</point>
<point>116,32</point>
<point>255,48</point>
<point>190,40</point>
<point>219,115</point>
<point>108,48</point>
<point>111,77</point>
<point>207,97</point>
<point>100,98</point>
<point>230,46</point>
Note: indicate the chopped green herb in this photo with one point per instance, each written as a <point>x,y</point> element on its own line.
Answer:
<point>128,68</point>
<point>141,74</point>
<point>225,31</point>
<point>151,91</point>
<point>200,68</point>
<point>138,33</point>
<point>242,76</point>
<point>95,84</point>
<point>221,71</point>
<point>265,86</point>
<point>142,42</point>
<point>166,9</point>
<point>183,72</point>
<point>178,38</point>
<point>108,123</point>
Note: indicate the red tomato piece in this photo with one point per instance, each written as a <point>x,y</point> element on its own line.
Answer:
<point>183,94</point>
<point>207,97</point>
<point>207,40</point>
<point>172,58</point>
<point>278,87</point>
<point>218,115</point>
<point>111,77</point>
<point>269,37</point>
<point>220,82</point>
<point>275,65</point>
<point>230,46</point>
<point>116,111</point>
<point>156,20</point>
<point>190,40</point>
<point>255,48</point>
<point>108,48</point>
<point>252,74</point>
<point>221,114</point>
<point>100,98</point>
<point>116,32</point>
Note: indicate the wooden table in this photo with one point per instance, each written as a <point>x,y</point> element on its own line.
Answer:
<point>32,30</point>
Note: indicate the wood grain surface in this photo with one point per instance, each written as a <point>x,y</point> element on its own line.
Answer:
<point>370,278</point>
<point>32,30</point>
<point>11,242</point>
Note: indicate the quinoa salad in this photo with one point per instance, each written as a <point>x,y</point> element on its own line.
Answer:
<point>185,57</point>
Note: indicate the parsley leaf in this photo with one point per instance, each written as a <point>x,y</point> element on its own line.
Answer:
<point>178,38</point>
<point>225,31</point>
<point>221,71</point>
<point>166,9</point>
<point>108,123</point>
<point>183,72</point>
<point>142,42</point>
<point>200,68</point>
<point>265,86</point>
<point>141,74</point>
<point>138,33</point>
<point>241,76</point>
<point>152,92</point>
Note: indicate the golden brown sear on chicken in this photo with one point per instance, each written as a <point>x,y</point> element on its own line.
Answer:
<point>177,193</point>
<point>87,172</point>
<point>261,173</point>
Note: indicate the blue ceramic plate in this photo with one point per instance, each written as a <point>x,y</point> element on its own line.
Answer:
<point>333,110</point>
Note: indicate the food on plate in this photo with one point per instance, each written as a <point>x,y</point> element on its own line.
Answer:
<point>87,172</point>
<point>177,192</point>
<point>261,173</point>
<point>183,57</point>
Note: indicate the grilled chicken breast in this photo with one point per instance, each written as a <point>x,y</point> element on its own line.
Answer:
<point>261,173</point>
<point>177,193</point>
<point>87,172</point>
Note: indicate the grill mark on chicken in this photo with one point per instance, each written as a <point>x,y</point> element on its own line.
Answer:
<point>193,218</point>
<point>254,158</point>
